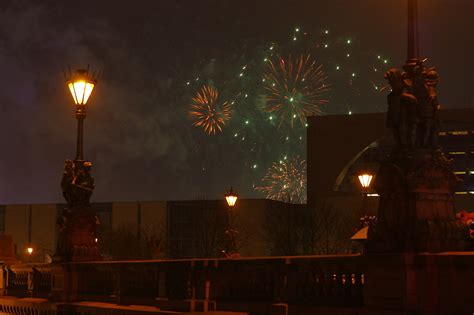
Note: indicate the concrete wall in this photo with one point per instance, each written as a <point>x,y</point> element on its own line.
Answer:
<point>41,233</point>
<point>17,225</point>
<point>249,220</point>
<point>124,214</point>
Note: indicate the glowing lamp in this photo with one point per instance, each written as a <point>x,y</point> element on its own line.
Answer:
<point>81,86</point>
<point>231,197</point>
<point>30,250</point>
<point>365,180</point>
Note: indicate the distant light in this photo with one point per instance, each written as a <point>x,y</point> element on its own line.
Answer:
<point>254,166</point>
<point>271,47</point>
<point>271,118</point>
<point>246,122</point>
<point>236,135</point>
<point>266,59</point>
<point>246,95</point>
<point>244,67</point>
<point>378,57</point>
<point>291,99</point>
<point>241,74</point>
<point>326,32</point>
<point>348,55</point>
<point>349,41</point>
<point>294,37</point>
<point>231,198</point>
<point>353,74</point>
<point>29,250</point>
<point>350,112</point>
<point>187,83</point>
<point>294,115</point>
<point>326,45</point>
<point>306,125</point>
<point>385,61</point>
<point>365,179</point>
<point>337,68</point>
<point>297,29</point>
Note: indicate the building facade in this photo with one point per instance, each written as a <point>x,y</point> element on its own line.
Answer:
<point>184,229</point>
<point>341,147</point>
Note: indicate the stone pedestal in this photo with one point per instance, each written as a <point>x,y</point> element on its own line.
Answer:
<point>416,211</point>
<point>77,236</point>
<point>425,284</point>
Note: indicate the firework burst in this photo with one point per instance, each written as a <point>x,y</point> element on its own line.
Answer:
<point>285,181</point>
<point>295,88</point>
<point>207,112</point>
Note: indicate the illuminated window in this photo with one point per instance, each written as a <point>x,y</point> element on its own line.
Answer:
<point>457,153</point>
<point>459,133</point>
<point>373,195</point>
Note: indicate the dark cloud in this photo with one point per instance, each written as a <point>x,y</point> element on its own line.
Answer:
<point>137,132</point>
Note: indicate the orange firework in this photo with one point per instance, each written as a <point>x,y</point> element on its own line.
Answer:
<point>206,111</point>
<point>295,88</point>
<point>285,181</point>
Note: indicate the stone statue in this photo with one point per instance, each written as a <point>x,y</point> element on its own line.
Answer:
<point>77,183</point>
<point>415,181</point>
<point>413,105</point>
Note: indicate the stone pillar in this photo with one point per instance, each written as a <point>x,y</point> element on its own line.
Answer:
<point>416,210</point>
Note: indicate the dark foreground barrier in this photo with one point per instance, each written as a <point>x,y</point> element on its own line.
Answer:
<point>340,284</point>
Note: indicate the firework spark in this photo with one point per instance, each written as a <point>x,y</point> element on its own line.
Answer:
<point>207,112</point>
<point>285,181</point>
<point>295,88</point>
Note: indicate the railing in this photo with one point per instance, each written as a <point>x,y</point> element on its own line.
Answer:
<point>203,284</point>
<point>27,280</point>
<point>228,284</point>
<point>421,283</point>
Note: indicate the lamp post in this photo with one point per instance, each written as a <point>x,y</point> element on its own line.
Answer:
<point>81,85</point>
<point>365,179</point>
<point>78,222</point>
<point>30,251</point>
<point>230,247</point>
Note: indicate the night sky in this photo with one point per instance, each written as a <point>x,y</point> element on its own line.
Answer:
<point>138,133</point>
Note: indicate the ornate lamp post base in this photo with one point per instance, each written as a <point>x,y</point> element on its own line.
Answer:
<point>416,183</point>
<point>416,209</point>
<point>78,223</point>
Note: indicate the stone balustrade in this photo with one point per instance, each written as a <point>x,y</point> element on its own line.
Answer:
<point>341,284</point>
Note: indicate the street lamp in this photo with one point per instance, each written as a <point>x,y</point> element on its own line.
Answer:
<point>231,198</point>
<point>80,84</point>
<point>30,251</point>
<point>78,222</point>
<point>230,246</point>
<point>365,179</point>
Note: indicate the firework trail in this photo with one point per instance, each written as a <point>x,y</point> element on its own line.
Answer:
<point>295,88</point>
